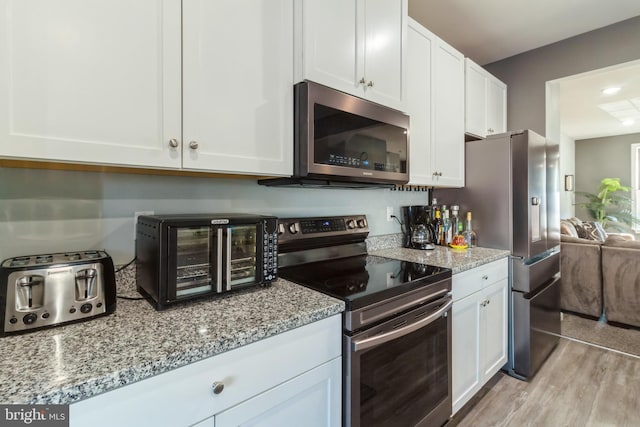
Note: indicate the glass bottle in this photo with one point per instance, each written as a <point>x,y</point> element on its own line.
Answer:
<point>456,224</point>
<point>439,227</point>
<point>448,231</point>
<point>469,235</point>
<point>434,209</point>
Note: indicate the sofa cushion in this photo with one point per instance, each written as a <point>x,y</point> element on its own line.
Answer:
<point>567,228</point>
<point>622,241</point>
<point>570,239</point>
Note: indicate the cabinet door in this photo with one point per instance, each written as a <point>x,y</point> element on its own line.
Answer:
<point>312,399</point>
<point>238,86</point>
<point>448,142</point>
<point>475,99</point>
<point>385,45</point>
<point>95,82</point>
<point>494,329</point>
<point>496,106</point>
<point>465,344</point>
<point>332,52</point>
<point>419,80</point>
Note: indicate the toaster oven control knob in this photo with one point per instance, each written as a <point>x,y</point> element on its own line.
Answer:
<point>13,320</point>
<point>29,318</point>
<point>217,387</point>
<point>351,224</point>
<point>72,310</point>
<point>86,308</point>
<point>362,223</point>
<point>280,229</point>
<point>294,228</point>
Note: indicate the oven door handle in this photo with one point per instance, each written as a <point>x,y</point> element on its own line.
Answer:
<point>359,345</point>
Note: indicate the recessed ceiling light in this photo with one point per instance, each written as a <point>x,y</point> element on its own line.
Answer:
<point>628,122</point>
<point>611,90</point>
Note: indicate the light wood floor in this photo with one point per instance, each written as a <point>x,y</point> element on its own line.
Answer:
<point>579,385</point>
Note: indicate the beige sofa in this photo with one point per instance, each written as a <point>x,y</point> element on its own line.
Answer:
<point>621,281</point>
<point>600,274</point>
<point>581,269</point>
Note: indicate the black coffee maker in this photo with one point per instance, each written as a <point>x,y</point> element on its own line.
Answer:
<point>418,228</point>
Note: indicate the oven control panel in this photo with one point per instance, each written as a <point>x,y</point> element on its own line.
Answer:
<point>290,229</point>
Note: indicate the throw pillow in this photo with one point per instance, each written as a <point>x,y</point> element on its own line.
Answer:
<point>580,228</point>
<point>594,231</point>
<point>567,228</point>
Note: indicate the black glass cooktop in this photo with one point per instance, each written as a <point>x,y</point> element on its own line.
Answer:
<point>365,279</point>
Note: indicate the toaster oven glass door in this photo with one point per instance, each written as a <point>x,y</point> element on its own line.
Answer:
<point>242,267</point>
<point>196,250</point>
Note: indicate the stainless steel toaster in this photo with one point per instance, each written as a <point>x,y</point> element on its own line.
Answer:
<point>39,291</point>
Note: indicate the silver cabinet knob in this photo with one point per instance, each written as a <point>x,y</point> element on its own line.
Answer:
<point>362,81</point>
<point>173,143</point>
<point>485,277</point>
<point>217,387</point>
<point>370,84</point>
<point>193,145</point>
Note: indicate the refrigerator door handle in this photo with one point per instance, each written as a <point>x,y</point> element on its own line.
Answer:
<point>549,283</point>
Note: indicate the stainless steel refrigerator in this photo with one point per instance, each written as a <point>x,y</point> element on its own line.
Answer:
<point>512,187</point>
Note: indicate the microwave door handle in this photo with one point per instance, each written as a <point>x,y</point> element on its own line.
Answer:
<point>219,261</point>
<point>228,258</point>
<point>366,343</point>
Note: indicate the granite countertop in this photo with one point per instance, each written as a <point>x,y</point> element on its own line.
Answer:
<point>455,259</point>
<point>72,362</point>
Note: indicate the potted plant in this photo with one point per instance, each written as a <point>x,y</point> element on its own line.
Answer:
<point>611,206</point>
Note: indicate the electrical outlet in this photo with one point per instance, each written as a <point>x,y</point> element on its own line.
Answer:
<point>389,213</point>
<point>135,220</point>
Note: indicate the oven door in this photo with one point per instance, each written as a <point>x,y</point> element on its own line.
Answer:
<point>398,373</point>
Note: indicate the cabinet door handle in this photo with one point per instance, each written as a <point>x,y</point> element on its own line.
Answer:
<point>173,143</point>
<point>485,277</point>
<point>370,84</point>
<point>193,145</point>
<point>217,387</point>
<point>362,81</point>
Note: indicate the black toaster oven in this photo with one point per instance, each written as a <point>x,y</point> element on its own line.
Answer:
<point>180,257</point>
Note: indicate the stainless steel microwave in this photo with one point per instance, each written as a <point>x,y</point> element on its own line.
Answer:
<point>180,257</point>
<point>340,138</point>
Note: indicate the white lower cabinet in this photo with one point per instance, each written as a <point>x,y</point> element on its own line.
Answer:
<point>291,379</point>
<point>479,335</point>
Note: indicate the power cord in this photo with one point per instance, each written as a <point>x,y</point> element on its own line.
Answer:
<point>126,265</point>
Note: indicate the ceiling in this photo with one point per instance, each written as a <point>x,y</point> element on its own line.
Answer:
<point>490,30</point>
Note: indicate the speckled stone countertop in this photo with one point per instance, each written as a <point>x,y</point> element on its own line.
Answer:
<point>457,260</point>
<point>73,362</point>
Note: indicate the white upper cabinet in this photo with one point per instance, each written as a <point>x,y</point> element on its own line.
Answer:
<point>193,84</point>
<point>94,82</point>
<point>356,46</point>
<point>435,100</point>
<point>485,101</point>
<point>238,86</point>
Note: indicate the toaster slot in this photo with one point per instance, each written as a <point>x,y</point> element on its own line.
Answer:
<point>86,286</point>
<point>29,292</point>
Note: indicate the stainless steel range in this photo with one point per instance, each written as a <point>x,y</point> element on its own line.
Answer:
<point>397,322</point>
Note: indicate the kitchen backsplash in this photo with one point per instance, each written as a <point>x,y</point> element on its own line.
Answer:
<point>45,211</point>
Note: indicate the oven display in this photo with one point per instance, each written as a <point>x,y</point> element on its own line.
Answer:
<point>322,225</point>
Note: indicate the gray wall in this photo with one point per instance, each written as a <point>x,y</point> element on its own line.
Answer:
<point>597,158</point>
<point>45,211</point>
<point>526,74</point>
